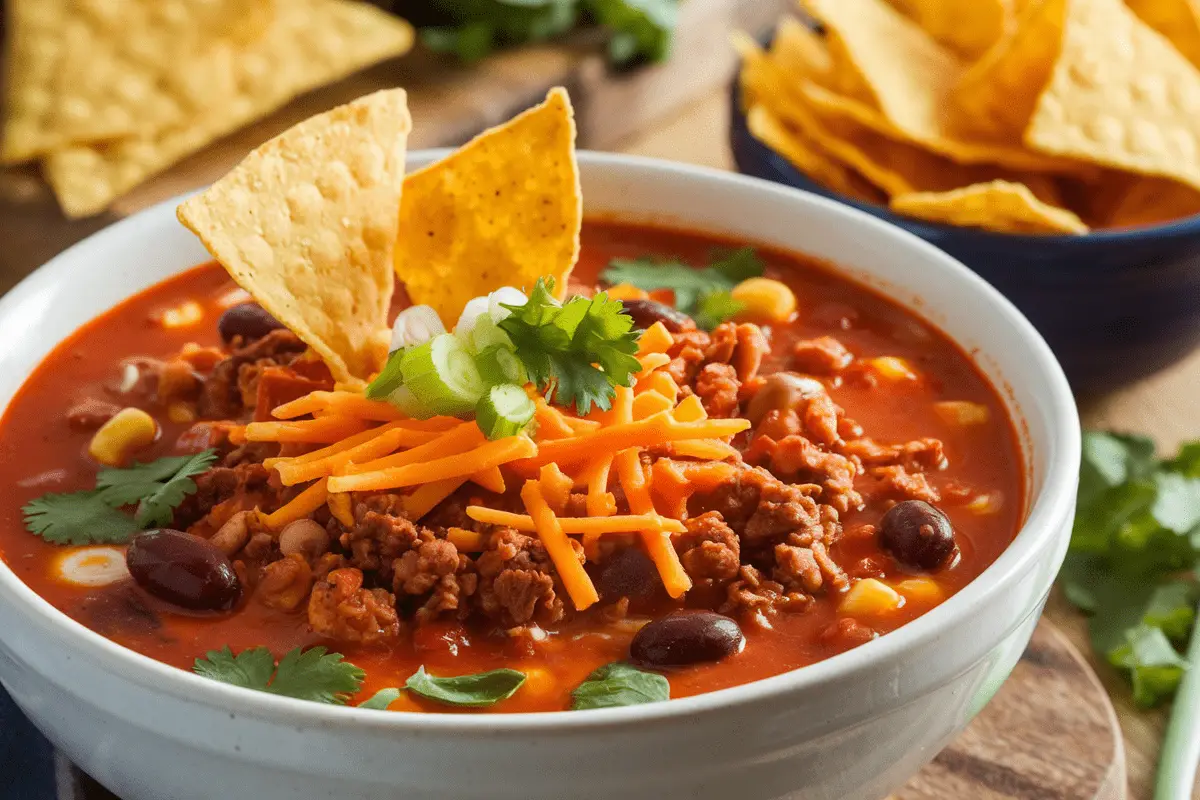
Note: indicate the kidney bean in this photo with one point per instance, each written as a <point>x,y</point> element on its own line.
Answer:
<point>682,638</point>
<point>248,320</point>
<point>629,573</point>
<point>919,535</point>
<point>647,312</point>
<point>184,570</point>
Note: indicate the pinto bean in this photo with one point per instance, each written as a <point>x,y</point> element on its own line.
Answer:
<point>184,570</point>
<point>233,535</point>
<point>781,391</point>
<point>303,536</point>
<point>682,638</point>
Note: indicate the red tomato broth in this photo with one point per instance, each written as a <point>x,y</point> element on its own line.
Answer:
<point>35,441</point>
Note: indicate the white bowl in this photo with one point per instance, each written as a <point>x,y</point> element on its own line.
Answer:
<point>853,727</point>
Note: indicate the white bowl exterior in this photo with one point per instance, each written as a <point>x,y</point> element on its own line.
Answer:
<point>852,728</point>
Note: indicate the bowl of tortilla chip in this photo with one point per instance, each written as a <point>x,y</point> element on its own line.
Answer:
<point>1054,151</point>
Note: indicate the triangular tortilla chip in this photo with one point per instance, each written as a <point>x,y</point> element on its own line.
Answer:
<point>308,43</point>
<point>83,72</point>
<point>997,205</point>
<point>504,210</point>
<point>1121,96</point>
<point>1178,20</point>
<point>307,225</point>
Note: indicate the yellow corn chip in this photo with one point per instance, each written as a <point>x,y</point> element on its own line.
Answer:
<point>1152,201</point>
<point>502,211</point>
<point>997,206</point>
<point>968,28</point>
<point>910,78</point>
<point>800,51</point>
<point>808,157</point>
<point>1178,20</point>
<point>307,225</point>
<point>998,94</point>
<point>117,67</point>
<point>308,43</point>
<point>1120,95</point>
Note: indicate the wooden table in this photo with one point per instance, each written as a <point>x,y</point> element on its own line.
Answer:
<point>1162,406</point>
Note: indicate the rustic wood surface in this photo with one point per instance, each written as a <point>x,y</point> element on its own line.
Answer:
<point>686,108</point>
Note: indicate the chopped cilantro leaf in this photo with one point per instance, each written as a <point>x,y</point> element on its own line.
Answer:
<point>381,699</point>
<point>313,674</point>
<point>701,293</point>
<point>577,352</point>
<point>157,487</point>
<point>619,684</point>
<point>94,516</point>
<point>479,690</point>
<point>641,29</point>
<point>78,518</point>
<point>1134,547</point>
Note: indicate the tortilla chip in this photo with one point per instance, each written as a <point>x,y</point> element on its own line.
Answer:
<point>1178,20</point>
<point>503,210</point>
<point>997,95</point>
<point>910,79</point>
<point>1120,95</point>
<point>996,206</point>
<point>307,225</point>
<point>968,29</point>
<point>309,43</point>
<point>90,71</point>
<point>801,51</point>
<point>807,156</point>
<point>1152,201</point>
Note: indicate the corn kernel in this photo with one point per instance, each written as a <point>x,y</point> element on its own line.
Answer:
<point>985,504</point>
<point>893,368</point>
<point>870,597</point>
<point>181,413</point>
<point>921,590</point>
<point>182,316</point>
<point>627,291</point>
<point>538,680</point>
<point>234,297</point>
<point>129,430</point>
<point>962,412</point>
<point>765,300</point>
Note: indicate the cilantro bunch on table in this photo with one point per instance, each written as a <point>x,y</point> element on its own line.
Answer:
<point>638,30</point>
<point>1134,550</point>
<point>702,294</point>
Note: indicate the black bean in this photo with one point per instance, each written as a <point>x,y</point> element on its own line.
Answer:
<point>630,573</point>
<point>682,638</point>
<point>248,320</point>
<point>919,535</point>
<point>647,312</point>
<point>184,570</point>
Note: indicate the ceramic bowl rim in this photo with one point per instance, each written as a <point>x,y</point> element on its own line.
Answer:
<point>1049,510</point>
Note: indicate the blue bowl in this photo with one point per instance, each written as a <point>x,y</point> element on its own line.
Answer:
<point>1114,305</point>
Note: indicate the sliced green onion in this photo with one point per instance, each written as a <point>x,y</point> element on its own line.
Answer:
<point>440,377</point>
<point>500,365</point>
<point>504,411</point>
<point>389,379</point>
<point>487,334</point>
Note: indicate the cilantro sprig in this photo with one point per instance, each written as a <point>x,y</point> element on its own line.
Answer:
<point>94,516</point>
<point>1134,550</point>
<point>313,674</point>
<point>704,294</point>
<point>576,352</point>
<point>638,29</point>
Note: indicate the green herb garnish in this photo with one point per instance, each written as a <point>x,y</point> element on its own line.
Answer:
<point>93,516</point>
<point>469,691</point>
<point>639,29</point>
<point>1134,548</point>
<point>619,684</point>
<point>701,293</point>
<point>311,674</point>
<point>576,352</point>
<point>381,699</point>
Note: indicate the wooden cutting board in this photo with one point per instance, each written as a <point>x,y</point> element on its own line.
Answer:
<point>1049,734</point>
